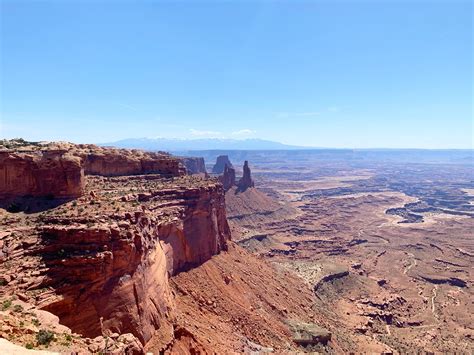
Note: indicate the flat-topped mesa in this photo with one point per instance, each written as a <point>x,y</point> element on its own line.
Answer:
<point>117,162</point>
<point>246,181</point>
<point>228,178</point>
<point>52,173</point>
<point>57,169</point>
<point>221,162</point>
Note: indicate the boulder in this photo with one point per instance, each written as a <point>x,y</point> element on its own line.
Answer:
<point>310,334</point>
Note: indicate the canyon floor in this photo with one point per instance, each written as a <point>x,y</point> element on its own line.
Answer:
<point>386,245</point>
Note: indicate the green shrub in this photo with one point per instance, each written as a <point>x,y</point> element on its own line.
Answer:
<point>44,337</point>
<point>29,346</point>
<point>6,304</point>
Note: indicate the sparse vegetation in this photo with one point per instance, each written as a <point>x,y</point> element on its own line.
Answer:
<point>44,337</point>
<point>6,304</point>
<point>17,308</point>
<point>29,346</point>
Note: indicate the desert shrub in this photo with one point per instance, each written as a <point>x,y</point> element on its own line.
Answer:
<point>17,308</point>
<point>6,304</point>
<point>29,346</point>
<point>44,337</point>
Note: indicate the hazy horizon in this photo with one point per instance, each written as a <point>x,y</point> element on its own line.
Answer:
<point>347,74</point>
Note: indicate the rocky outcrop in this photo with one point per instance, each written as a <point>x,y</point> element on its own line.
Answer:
<point>112,275</point>
<point>194,165</point>
<point>228,178</point>
<point>118,162</point>
<point>246,181</point>
<point>221,162</point>
<point>58,170</point>
<point>52,173</point>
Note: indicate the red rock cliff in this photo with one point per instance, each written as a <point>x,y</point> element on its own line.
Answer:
<point>117,268</point>
<point>117,162</point>
<point>49,173</point>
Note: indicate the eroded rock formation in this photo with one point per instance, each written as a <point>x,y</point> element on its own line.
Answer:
<point>228,178</point>
<point>51,173</point>
<point>117,162</point>
<point>194,165</point>
<point>246,181</point>
<point>221,162</point>
<point>57,169</point>
<point>118,269</point>
<point>102,262</point>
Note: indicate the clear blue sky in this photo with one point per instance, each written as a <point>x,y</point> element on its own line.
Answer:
<point>317,73</point>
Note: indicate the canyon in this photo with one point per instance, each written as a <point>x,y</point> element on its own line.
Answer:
<point>108,266</point>
<point>124,251</point>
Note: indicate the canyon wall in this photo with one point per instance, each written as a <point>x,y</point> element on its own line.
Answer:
<point>54,173</point>
<point>117,162</point>
<point>194,165</point>
<point>102,262</point>
<point>117,270</point>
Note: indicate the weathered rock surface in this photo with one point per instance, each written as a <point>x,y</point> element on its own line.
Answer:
<point>57,169</point>
<point>221,162</point>
<point>194,165</point>
<point>246,181</point>
<point>102,262</point>
<point>42,173</point>
<point>228,178</point>
<point>118,270</point>
<point>310,334</point>
<point>117,162</point>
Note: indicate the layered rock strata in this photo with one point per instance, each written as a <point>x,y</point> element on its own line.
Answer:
<point>52,173</point>
<point>110,273</point>
<point>57,169</point>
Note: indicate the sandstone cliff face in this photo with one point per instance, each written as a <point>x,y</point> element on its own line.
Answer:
<point>221,162</point>
<point>117,162</point>
<point>58,169</point>
<point>51,173</point>
<point>110,274</point>
<point>194,165</point>
<point>102,262</point>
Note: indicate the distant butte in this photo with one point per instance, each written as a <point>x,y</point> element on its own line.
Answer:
<point>221,162</point>
<point>246,181</point>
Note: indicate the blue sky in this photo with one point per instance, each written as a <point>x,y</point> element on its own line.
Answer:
<point>317,73</point>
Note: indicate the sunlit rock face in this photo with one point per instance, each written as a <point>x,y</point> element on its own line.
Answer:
<point>49,173</point>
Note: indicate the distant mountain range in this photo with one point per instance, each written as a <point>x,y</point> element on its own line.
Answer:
<point>166,144</point>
